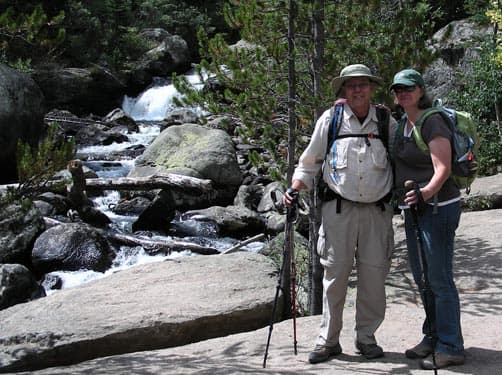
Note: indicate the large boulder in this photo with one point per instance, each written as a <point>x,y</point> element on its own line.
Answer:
<point>236,221</point>
<point>170,54</point>
<point>457,47</point>
<point>80,90</point>
<point>485,194</point>
<point>156,305</point>
<point>249,196</point>
<point>21,117</point>
<point>93,130</point>
<point>195,151</point>
<point>98,134</point>
<point>71,247</point>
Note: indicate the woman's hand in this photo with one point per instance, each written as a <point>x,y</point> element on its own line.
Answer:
<point>411,198</point>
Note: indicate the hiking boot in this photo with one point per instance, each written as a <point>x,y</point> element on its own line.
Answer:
<point>369,351</point>
<point>442,360</point>
<point>322,353</point>
<point>421,350</point>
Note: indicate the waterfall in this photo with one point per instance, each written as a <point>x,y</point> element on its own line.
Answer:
<point>155,103</point>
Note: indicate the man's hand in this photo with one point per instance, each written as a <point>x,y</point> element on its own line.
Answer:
<point>290,197</point>
<point>340,101</point>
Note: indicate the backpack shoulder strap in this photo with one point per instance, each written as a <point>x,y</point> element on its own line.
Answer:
<point>383,123</point>
<point>398,134</point>
<point>334,124</point>
<point>417,130</point>
<point>383,117</point>
<point>425,115</point>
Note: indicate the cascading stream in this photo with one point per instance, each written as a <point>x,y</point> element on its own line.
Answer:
<point>151,106</point>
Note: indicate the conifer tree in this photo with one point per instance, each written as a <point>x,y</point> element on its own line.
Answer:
<point>251,77</point>
<point>27,34</point>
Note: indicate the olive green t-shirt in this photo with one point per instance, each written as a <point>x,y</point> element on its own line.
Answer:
<point>413,164</point>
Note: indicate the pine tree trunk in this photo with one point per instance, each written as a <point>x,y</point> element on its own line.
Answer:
<point>315,268</point>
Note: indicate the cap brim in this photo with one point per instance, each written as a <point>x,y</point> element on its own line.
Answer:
<point>403,82</point>
<point>339,81</point>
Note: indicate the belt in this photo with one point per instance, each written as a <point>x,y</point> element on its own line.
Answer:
<point>329,195</point>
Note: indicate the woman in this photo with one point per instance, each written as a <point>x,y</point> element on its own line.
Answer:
<point>442,344</point>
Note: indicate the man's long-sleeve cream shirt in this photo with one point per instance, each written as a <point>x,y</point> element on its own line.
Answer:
<point>363,172</point>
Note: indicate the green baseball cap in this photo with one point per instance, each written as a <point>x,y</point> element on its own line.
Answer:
<point>352,71</point>
<point>408,77</point>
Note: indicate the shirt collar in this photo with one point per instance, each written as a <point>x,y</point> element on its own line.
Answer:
<point>372,113</point>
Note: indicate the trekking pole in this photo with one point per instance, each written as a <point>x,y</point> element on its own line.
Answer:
<point>291,216</point>
<point>425,286</point>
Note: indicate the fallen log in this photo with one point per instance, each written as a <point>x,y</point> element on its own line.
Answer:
<point>152,247</point>
<point>77,191</point>
<point>237,246</point>
<point>158,181</point>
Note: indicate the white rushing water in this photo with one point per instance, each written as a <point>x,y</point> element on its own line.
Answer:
<point>154,104</point>
<point>145,136</point>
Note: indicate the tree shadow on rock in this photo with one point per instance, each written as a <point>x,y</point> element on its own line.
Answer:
<point>401,288</point>
<point>477,266</point>
<point>478,275</point>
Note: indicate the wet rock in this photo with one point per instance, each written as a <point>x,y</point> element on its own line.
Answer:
<point>20,225</point>
<point>17,285</point>
<point>71,247</point>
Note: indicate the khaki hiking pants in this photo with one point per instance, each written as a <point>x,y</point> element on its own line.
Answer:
<point>362,232</point>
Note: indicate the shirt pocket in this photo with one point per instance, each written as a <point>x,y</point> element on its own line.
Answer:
<point>342,150</point>
<point>378,155</point>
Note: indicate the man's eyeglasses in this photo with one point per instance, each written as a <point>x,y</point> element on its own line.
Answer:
<point>353,86</point>
<point>400,89</point>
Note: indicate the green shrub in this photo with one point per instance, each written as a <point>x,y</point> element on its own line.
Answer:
<point>481,94</point>
<point>37,166</point>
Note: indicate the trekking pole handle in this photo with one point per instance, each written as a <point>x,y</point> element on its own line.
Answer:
<point>293,193</point>
<point>292,209</point>
<point>289,198</point>
<point>410,185</point>
<point>420,205</point>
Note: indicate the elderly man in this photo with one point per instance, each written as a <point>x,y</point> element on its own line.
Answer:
<point>356,215</point>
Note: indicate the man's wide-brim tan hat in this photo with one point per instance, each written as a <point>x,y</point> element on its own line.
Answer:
<point>352,71</point>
